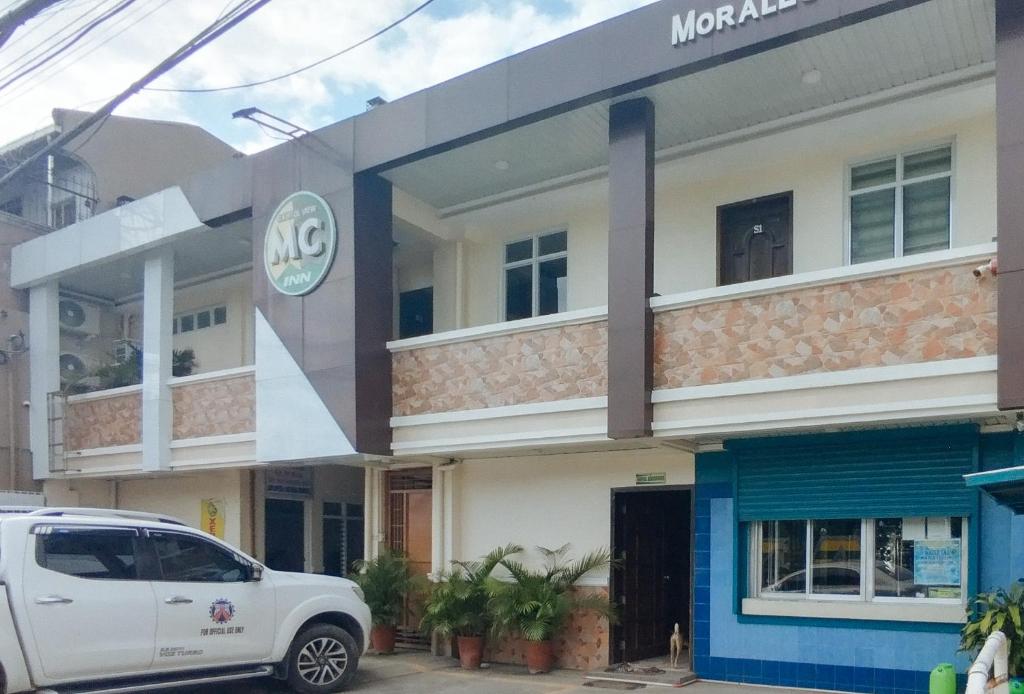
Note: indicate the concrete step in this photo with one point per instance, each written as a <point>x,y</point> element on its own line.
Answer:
<point>643,677</point>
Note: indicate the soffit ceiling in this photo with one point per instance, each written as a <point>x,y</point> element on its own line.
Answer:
<point>925,41</point>
<point>201,254</point>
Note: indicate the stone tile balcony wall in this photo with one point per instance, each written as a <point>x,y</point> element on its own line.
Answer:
<point>215,404</point>
<point>907,317</point>
<point>104,419</point>
<point>525,363</point>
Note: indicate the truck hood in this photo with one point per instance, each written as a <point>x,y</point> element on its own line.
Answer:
<point>312,580</point>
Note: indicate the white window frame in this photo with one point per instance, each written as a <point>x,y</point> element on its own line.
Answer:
<point>898,185</point>
<point>176,319</point>
<point>867,554</point>
<point>534,262</point>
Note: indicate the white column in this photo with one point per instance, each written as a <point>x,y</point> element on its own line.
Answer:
<point>448,548</point>
<point>157,312</point>
<point>44,370</point>
<point>437,563</point>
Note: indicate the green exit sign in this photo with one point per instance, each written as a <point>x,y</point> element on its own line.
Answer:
<point>643,478</point>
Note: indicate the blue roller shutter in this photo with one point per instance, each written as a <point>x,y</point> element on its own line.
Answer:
<point>916,472</point>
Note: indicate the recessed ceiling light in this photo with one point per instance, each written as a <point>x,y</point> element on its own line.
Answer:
<point>811,77</point>
<point>501,165</point>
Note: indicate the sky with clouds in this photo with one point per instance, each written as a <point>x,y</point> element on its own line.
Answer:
<point>446,39</point>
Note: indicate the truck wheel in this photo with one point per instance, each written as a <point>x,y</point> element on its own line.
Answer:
<point>322,659</point>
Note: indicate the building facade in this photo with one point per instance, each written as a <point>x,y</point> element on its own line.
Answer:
<point>711,283</point>
<point>126,158</point>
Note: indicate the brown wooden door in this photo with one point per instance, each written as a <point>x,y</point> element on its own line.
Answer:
<point>652,580</point>
<point>755,239</point>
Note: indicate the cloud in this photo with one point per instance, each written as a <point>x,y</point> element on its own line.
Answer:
<point>432,46</point>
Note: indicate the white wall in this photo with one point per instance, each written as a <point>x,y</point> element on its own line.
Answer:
<point>550,500</point>
<point>219,346</point>
<point>178,495</point>
<point>811,161</point>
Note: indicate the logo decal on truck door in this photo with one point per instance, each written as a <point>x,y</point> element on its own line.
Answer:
<point>222,611</point>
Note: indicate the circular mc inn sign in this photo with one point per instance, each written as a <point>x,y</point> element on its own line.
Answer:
<point>300,243</point>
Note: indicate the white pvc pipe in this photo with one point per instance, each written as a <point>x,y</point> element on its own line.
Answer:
<point>993,658</point>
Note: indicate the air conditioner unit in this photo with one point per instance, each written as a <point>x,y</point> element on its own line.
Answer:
<point>79,317</point>
<point>74,367</point>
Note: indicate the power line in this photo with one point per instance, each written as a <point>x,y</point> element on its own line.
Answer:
<point>81,52</point>
<point>40,47</point>
<point>14,18</point>
<point>236,15</point>
<point>69,43</point>
<point>40,20</point>
<point>207,90</point>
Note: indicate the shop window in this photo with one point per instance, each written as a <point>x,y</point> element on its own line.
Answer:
<point>901,205</point>
<point>877,560</point>
<point>536,275</point>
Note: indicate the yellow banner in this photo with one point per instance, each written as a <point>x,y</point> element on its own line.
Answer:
<point>212,515</point>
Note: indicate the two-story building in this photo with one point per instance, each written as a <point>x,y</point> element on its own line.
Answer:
<point>121,160</point>
<point>712,283</point>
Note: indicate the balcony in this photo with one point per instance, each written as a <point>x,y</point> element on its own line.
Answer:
<point>910,338</point>
<point>214,424</point>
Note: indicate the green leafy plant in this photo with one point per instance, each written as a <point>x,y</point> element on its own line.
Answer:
<point>120,373</point>
<point>999,610</point>
<point>183,362</point>
<point>457,605</point>
<point>536,603</point>
<point>386,582</point>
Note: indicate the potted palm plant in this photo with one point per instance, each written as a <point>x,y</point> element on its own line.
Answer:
<point>457,605</point>
<point>386,582</point>
<point>1000,610</point>
<point>536,603</point>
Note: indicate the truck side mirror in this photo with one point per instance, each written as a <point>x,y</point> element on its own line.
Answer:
<point>255,572</point>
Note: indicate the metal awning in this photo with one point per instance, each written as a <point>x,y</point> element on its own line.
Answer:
<point>1005,486</point>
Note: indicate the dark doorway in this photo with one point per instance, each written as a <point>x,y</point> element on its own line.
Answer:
<point>651,531</point>
<point>416,313</point>
<point>409,531</point>
<point>755,239</point>
<point>285,535</point>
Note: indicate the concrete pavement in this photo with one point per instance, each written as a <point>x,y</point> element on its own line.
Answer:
<point>419,673</point>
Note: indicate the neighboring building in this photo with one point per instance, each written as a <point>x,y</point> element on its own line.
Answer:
<point>126,158</point>
<point>706,292</point>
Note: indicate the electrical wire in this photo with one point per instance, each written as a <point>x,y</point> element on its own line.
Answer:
<point>40,20</point>
<point>81,52</point>
<point>292,73</point>
<point>66,44</point>
<point>38,48</point>
<point>211,33</point>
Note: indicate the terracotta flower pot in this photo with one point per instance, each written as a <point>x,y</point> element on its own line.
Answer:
<point>383,639</point>
<point>540,657</point>
<point>471,651</point>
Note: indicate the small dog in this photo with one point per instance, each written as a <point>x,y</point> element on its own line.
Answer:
<point>676,643</point>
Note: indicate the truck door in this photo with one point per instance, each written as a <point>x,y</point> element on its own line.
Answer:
<point>88,612</point>
<point>209,613</point>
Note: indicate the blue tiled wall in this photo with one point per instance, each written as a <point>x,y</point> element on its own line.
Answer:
<point>819,654</point>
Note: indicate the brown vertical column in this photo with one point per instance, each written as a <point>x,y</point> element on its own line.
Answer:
<point>373,305</point>
<point>1010,188</point>
<point>630,268</point>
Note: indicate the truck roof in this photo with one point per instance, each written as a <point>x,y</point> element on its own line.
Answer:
<point>91,513</point>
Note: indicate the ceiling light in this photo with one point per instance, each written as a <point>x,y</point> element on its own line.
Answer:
<point>811,77</point>
<point>501,165</point>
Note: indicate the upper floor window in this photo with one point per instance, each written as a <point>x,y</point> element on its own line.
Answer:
<point>536,274</point>
<point>901,205</point>
<point>199,320</point>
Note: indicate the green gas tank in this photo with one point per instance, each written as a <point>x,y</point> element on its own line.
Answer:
<point>943,680</point>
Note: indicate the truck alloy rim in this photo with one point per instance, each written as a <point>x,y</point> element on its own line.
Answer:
<point>322,661</point>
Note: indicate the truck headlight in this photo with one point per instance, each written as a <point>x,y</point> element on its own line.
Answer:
<point>359,593</point>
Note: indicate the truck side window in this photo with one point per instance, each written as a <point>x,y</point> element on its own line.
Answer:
<point>97,553</point>
<point>190,559</point>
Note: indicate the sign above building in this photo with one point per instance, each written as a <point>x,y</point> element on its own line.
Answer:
<point>300,243</point>
<point>692,25</point>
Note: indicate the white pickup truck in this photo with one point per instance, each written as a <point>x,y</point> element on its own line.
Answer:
<point>107,601</point>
